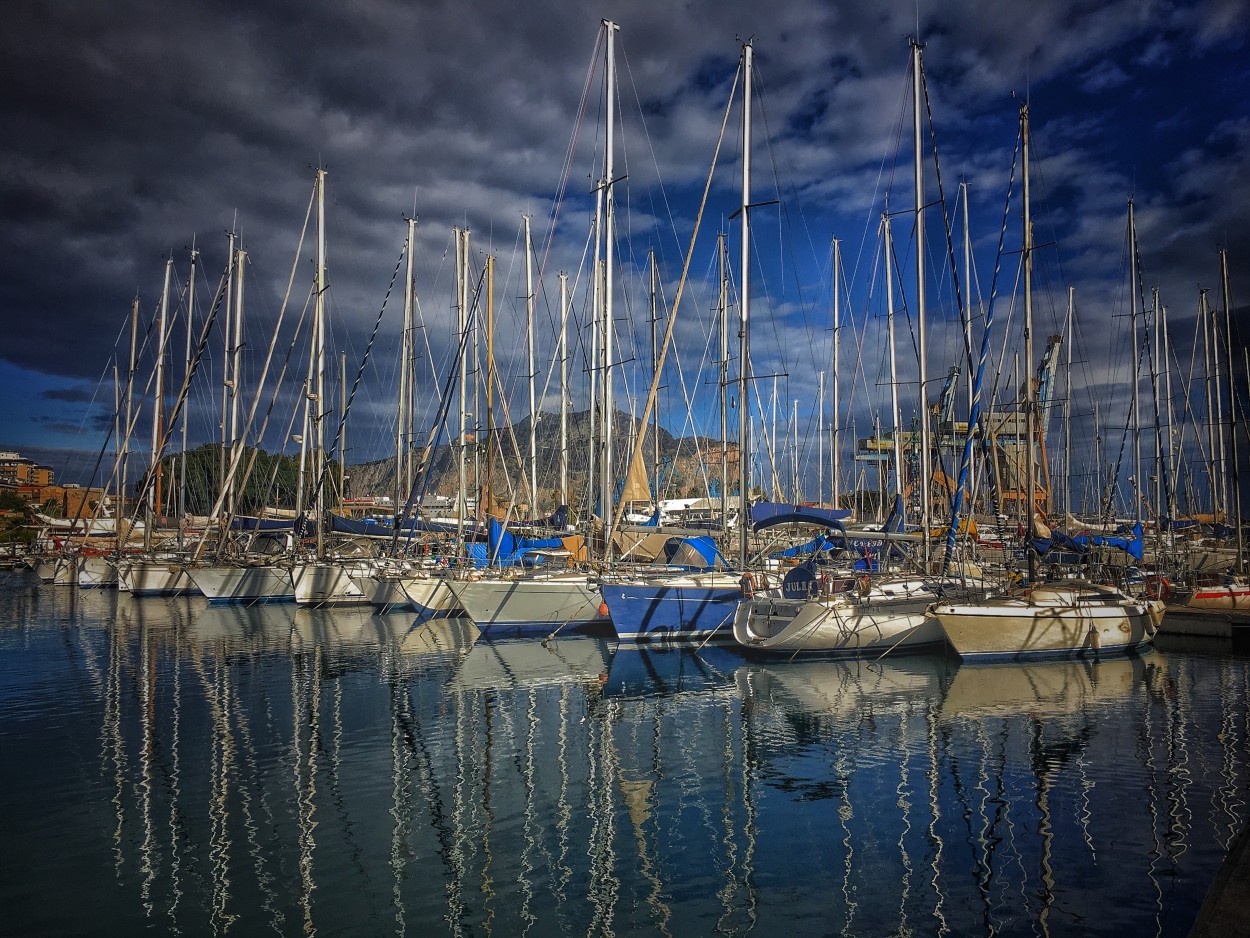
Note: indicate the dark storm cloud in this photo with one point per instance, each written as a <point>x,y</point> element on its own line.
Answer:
<point>129,128</point>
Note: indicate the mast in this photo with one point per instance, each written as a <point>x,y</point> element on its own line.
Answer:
<point>966,313</point>
<point>794,452</point>
<point>403,414</point>
<point>1204,313</point>
<point>835,466</point>
<point>1030,392</point>
<point>820,436</point>
<point>226,361</point>
<point>1067,409</point>
<point>925,504</point>
<point>564,389</point>
<point>609,251</point>
<point>896,429</point>
<point>487,504</point>
<point>182,469</point>
<point>462,326</point>
<point>1167,391</point>
<point>158,409</point>
<point>1132,247</point>
<point>744,317</point>
<point>723,308</point>
<point>235,360</point>
<point>529,351</point>
<point>1234,491</point>
<point>343,428</point>
<point>655,366</point>
<point>130,398</point>
<point>319,376</point>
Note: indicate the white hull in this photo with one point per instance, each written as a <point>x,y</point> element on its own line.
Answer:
<point>563,600</point>
<point>224,583</point>
<point>1050,621</point>
<point>328,584</point>
<point>154,578</point>
<point>884,620</point>
<point>96,571</point>
<point>429,595</point>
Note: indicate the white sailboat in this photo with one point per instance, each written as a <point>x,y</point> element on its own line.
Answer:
<point>1063,618</point>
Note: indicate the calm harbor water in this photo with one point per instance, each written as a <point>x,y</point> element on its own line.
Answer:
<point>185,769</point>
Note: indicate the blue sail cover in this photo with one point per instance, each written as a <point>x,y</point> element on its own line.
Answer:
<point>1132,545</point>
<point>507,550</point>
<point>772,514</point>
<point>694,553</point>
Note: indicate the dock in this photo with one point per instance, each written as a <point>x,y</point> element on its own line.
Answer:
<point>1182,621</point>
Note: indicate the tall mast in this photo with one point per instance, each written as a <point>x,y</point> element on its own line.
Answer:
<point>744,317</point>
<point>655,365</point>
<point>1167,391</point>
<point>226,361</point>
<point>820,436</point>
<point>319,376</point>
<point>609,252</point>
<point>1132,247</point>
<point>925,504</point>
<point>1067,408</point>
<point>1030,397</point>
<point>529,351</point>
<point>236,356</point>
<point>182,469</point>
<point>462,326</point>
<point>596,303</point>
<point>723,307</point>
<point>966,313</point>
<point>403,415</point>
<point>343,428</point>
<point>1154,394</point>
<point>1204,313</point>
<point>1234,489</point>
<point>130,397</point>
<point>564,389</point>
<point>158,409</point>
<point>835,466</point>
<point>487,504</point>
<point>896,430</point>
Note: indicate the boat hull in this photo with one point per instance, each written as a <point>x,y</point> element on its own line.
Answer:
<point>154,578</point>
<point>328,584</point>
<point>530,603</point>
<point>1220,597</point>
<point>230,584</point>
<point>837,626</point>
<point>1024,628</point>
<point>429,595</point>
<point>674,611</point>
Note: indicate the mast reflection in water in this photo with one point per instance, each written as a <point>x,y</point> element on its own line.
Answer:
<point>192,769</point>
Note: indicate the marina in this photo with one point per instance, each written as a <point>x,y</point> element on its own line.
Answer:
<point>725,520</point>
<point>199,768</point>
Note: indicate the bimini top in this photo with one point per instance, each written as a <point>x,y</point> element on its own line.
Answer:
<point>771,514</point>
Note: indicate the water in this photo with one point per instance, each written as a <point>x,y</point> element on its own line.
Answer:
<point>185,769</point>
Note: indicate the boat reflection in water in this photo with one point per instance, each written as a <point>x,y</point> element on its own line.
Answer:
<point>193,768</point>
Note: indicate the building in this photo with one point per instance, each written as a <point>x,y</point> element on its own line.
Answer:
<point>16,469</point>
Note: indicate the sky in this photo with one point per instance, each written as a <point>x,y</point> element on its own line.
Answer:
<point>131,131</point>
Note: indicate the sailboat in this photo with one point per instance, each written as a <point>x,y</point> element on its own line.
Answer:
<point>698,603</point>
<point>1058,619</point>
